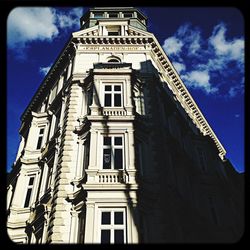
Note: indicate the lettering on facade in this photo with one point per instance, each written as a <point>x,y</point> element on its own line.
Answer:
<point>132,48</point>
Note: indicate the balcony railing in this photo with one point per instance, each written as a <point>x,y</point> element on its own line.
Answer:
<point>114,112</point>
<point>113,177</point>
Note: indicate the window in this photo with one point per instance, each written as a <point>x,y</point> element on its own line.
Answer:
<point>113,14</point>
<point>128,14</point>
<point>112,226</point>
<point>29,192</point>
<point>114,60</point>
<point>113,33</point>
<point>98,14</point>
<point>112,152</point>
<point>114,30</point>
<point>112,95</point>
<point>202,160</point>
<point>40,138</point>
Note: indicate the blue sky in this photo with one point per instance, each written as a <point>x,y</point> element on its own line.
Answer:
<point>206,46</point>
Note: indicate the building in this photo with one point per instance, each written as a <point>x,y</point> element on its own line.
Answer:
<point>115,150</point>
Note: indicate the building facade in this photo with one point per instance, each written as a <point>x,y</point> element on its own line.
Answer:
<point>115,150</point>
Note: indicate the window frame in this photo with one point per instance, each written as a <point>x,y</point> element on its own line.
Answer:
<point>113,147</point>
<point>112,226</point>
<point>112,92</point>
<point>29,187</point>
<point>40,138</point>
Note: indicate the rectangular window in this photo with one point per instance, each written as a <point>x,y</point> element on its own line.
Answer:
<point>98,14</point>
<point>112,225</point>
<point>113,152</point>
<point>40,138</point>
<point>113,14</point>
<point>112,95</point>
<point>29,192</point>
<point>113,33</point>
<point>128,14</point>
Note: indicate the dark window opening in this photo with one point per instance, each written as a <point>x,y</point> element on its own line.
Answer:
<point>105,236</point>
<point>28,196</point>
<point>118,100</point>
<point>113,14</point>
<point>119,218</point>
<point>107,102</point>
<point>107,158</point>
<point>113,33</point>
<point>128,14</point>
<point>118,158</point>
<point>106,218</point>
<point>119,236</point>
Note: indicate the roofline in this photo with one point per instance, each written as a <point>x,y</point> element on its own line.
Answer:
<point>47,78</point>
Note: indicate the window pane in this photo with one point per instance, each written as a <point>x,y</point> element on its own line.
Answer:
<point>119,218</point>
<point>118,101</point>
<point>115,33</point>
<point>118,140</point>
<point>41,131</point>
<point>105,236</point>
<point>113,14</point>
<point>106,218</point>
<point>118,158</point>
<point>107,141</point>
<point>107,87</point>
<point>128,15</point>
<point>107,158</point>
<point>117,88</point>
<point>39,143</point>
<point>119,236</point>
<point>107,102</point>
<point>28,196</point>
<point>31,181</point>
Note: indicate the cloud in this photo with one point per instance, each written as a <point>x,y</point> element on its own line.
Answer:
<point>199,80</point>
<point>29,24</point>
<point>214,65</point>
<point>231,50</point>
<point>172,46</point>
<point>185,37</point>
<point>179,66</point>
<point>69,19</point>
<point>45,70</point>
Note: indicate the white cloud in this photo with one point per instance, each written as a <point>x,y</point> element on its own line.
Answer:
<point>231,50</point>
<point>172,46</point>
<point>208,64</point>
<point>70,19</point>
<point>200,80</point>
<point>28,24</point>
<point>45,70</point>
<point>180,67</point>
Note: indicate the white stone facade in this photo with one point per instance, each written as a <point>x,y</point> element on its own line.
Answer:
<point>88,168</point>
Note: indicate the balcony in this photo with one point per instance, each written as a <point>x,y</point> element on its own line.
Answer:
<point>107,177</point>
<point>112,177</point>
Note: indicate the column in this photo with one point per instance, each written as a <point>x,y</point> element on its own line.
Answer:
<point>54,167</point>
<point>90,227</point>
<point>69,69</point>
<point>9,195</point>
<point>44,179</point>
<point>19,196</point>
<point>79,163</point>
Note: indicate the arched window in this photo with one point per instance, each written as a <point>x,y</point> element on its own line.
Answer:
<point>114,59</point>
